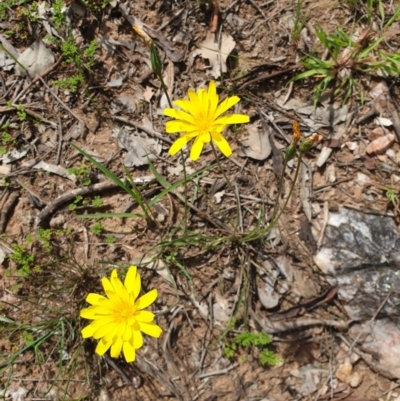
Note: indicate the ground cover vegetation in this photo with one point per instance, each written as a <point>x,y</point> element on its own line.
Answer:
<point>181,236</point>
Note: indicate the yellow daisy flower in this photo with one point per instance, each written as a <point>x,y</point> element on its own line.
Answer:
<point>119,318</point>
<point>200,118</point>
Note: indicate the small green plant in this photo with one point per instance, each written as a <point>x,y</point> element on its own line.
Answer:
<point>349,55</point>
<point>110,239</point>
<point>44,236</point>
<point>5,5</point>
<point>97,201</point>
<point>258,340</point>
<point>300,20</point>
<point>6,139</point>
<point>21,113</point>
<point>97,228</point>
<point>23,258</point>
<point>82,173</point>
<point>81,61</point>
<point>88,54</point>
<point>58,15</point>
<point>71,83</point>
<point>75,203</point>
<point>30,12</point>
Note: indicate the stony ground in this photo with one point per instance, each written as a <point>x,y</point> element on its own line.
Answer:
<point>87,80</point>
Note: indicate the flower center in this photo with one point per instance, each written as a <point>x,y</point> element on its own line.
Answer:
<point>127,312</point>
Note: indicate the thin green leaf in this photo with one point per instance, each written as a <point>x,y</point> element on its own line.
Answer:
<point>107,215</point>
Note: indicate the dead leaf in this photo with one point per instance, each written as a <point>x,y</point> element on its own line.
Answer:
<point>255,144</point>
<point>305,191</point>
<point>210,49</point>
<point>139,148</point>
<point>58,170</point>
<point>116,81</point>
<point>14,155</point>
<point>37,58</point>
<point>148,93</point>
<point>169,82</point>
<point>221,309</point>
<point>127,102</point>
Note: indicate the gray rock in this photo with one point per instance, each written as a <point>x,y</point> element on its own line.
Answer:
<point>361,254</point>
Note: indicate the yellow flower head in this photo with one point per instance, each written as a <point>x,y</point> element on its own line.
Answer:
<point>119,318</point>
<point>200,118</point>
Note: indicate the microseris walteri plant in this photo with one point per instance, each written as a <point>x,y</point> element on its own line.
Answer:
<point>201,118</point>
<point>119,318</point>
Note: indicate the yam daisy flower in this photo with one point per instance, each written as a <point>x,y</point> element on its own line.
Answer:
<point>119,318</point>
<point>201,119</point>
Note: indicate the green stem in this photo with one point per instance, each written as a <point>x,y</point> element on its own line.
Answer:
<point>185,213</point>
<point>262,233</point>
<point>229,185</point>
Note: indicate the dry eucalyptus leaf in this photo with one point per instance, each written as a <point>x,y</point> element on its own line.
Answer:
<point>58,170</point>
<point>14,155</point>
<point>221,309</point>
<point>255,144</point>
<point>210,49</point>
<point>169,82</point>
<point>116,82</point>
<point>148,93</point>
<point>127,102</point>
<point>140,148</point>
<point>37,58</point>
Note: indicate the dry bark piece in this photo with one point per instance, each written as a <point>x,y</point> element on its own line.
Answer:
<point>380,145</point>
<point>344,371</point>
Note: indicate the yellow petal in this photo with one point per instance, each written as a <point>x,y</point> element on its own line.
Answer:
<point>174,126</point>
<point>95,312</point>
<point>102,321</point>
<point>136,287</point>
<point>108,330</point>
<point>130,279</point>
<point>88,331</point>
<point>151,329</point>
<point>233,119</point>
<point>179,144</point>
<point>196,148</point>
<point>129,352</point>
<point>113,297</point>
<point>116,348</point>
<point>128,334</point>
<point>183,104</point>
<point>147,299</point>
<point>225,105</point>
<point>137,339</point>
<point>194,101</point>
<point>180,115</point>
<point>118,330</point>
<point>145,316</point>
<point>203,99</point>
<point>87,313</point>
<point>117,284</point>
<point>102,347</point>
<point>213,99</point>
<point>107,286</point>
<point>94,299</point>
<point>222,144</point>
